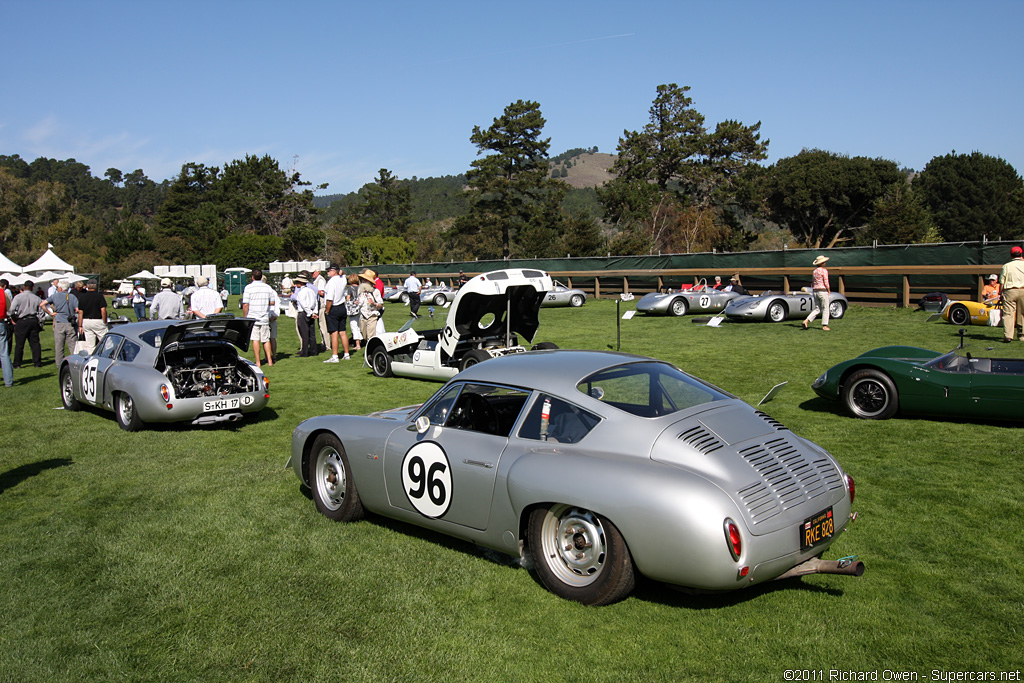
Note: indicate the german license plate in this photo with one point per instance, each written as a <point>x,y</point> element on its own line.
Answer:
<point>220,404</point>
<point>817,529</point>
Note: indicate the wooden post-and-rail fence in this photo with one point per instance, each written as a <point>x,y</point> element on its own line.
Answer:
<point>899,286</point>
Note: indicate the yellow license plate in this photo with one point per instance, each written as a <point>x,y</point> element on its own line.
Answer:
<point>817,529</point>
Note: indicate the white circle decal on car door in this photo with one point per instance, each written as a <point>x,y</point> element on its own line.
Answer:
<point>427,479</point>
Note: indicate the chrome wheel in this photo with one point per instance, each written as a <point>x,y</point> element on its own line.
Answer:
<point>677,307</point>
<point>579,555</point>
<point>67,391</point>
<point>573,545</point>
<point>126,413</point>
<point>776,312</point>
<point>330,480</point>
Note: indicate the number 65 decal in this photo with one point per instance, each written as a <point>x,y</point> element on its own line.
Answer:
<point>427,479</point>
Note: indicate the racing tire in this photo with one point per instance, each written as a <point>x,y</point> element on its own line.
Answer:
<point>678,307</point>
<point>959,315</point>
<point>330,481</point>
<point>836,310</point>
<point>381,363</point>
<point>870,395</point>
<point>404,297</point>
<point>576,300</point>
<point>777,312</point>
<point>67,391</point>
<point>579,555</point>
<point>472,357</point>
<point>126,413</point>
<point>544,346</point>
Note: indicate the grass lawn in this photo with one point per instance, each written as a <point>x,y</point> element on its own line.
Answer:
<point>191,554</point>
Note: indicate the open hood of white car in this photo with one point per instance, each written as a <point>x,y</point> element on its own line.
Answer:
<point>491,301</point>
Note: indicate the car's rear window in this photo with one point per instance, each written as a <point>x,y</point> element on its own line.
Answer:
<point>649,389</point>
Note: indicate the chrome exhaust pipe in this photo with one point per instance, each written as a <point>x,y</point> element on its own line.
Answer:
<point>849,566</point>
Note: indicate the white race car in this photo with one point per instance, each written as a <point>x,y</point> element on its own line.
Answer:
<point>486,318</point>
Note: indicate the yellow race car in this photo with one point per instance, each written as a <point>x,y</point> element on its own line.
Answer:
<point>972,312</point>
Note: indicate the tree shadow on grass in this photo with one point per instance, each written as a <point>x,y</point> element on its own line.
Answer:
<point>12,478</point>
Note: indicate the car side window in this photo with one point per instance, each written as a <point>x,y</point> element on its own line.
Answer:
<point>438,408</point>
<point>552,419</point>
<point>128,351</point>
<point>108,348</point>
<point>649,389</point>
<point>487,408</point>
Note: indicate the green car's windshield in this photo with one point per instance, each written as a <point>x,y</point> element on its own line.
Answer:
<point>649,389</point>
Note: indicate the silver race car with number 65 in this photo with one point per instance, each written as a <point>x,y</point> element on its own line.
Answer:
<point>596,466</point>
<point>168,371</point>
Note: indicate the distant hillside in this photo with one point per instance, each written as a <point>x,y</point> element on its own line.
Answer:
<point>583,169</point>
<point>444,197</point>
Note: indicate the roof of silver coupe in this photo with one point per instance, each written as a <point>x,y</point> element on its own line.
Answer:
<point>555,371</point>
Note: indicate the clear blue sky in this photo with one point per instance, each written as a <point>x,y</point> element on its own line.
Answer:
<point>342,89</point>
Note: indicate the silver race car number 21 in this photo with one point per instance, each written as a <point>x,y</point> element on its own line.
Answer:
<point>427,479</point>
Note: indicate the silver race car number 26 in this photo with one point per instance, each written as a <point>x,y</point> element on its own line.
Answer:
<point>427,479</point>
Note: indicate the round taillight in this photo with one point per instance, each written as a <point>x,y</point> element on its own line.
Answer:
<point>851,487</point>
<point>732,539</point>
<point>165,393</point>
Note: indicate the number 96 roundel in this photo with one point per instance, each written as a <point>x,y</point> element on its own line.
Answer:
<point>427,479</point>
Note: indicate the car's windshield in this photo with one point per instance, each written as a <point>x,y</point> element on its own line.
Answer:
<point>649,389</point>
<point>948,361</point>
<point>430,317</point>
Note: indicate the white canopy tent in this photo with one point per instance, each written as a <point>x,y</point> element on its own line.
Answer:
<point>143,275</point>
<point>48,262</point>
<point>8,266</point>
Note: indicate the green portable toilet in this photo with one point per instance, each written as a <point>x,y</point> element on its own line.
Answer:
<point>235,279</point>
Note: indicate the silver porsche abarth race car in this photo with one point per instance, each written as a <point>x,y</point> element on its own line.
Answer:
<point>436,295</point>
<point>485,320</point>
<point>560,295</point>
<point>700,299</point>
<point>592,465</point>
<point>168,371</point>
<point>775,307</point>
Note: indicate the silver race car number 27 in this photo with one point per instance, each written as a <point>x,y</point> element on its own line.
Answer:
<point>427,479</point>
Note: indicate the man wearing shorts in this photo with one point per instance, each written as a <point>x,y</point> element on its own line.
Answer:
<point>336,313</point>
<point>258,299</point>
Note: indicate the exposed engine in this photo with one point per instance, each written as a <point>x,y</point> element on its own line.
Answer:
<point>199,372</point>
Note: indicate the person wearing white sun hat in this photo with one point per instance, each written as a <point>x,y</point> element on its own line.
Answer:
<point>822,289</point>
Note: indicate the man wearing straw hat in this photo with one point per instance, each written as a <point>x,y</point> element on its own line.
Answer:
<point>819,283</point>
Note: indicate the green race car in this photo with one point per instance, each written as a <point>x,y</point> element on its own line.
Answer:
<point>904,379</point>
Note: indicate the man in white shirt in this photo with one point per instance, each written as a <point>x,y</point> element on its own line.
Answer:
<point>258,300</point>
<point>336,313</point>
<point>306,302</point>
<point>413,286</point>
<point>204,300</point>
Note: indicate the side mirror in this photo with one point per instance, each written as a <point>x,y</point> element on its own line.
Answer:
<point>422,424</point>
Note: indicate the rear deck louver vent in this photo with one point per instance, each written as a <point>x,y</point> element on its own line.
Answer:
<point>700,438</point>
<point>788,477</point>
<point>770,420</point>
